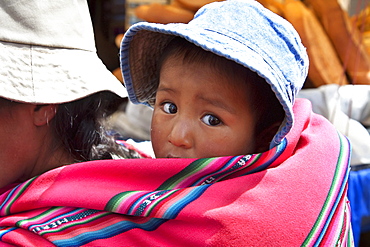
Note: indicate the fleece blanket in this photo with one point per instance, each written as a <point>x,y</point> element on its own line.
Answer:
<point>291,195</point>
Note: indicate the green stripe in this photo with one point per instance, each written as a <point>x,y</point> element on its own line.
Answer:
<point>192,168</point>
<point>21,189</point>
<point>69,224</point>
<point>328,199</point>
<point>116,201</point>
<point>37,218</point>
<point>155,202</point>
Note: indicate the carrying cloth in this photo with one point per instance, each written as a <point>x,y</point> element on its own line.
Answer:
<point>291,195</point>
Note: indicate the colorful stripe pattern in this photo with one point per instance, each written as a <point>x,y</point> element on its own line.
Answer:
<point>13,195</point>
<point>223,196</point>
<point>5,230</point>
<point>189,184</point>
<point>60,224</point>
<point>336,205</point>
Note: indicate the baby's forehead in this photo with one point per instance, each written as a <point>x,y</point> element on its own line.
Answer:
<point>229,72</point>
<point>232,75</point>
<point>208,81</point>
<point>210,62</point>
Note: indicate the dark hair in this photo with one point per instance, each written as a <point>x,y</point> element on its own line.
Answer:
<point>265,105</point>
<point>79,128</point>
<point>78,125</point>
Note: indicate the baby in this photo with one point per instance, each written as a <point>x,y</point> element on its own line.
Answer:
<point>223,88</point>
<point>218,87</point>
<point>207,106</point>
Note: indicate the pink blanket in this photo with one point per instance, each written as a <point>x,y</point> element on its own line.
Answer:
<point>292,195</point>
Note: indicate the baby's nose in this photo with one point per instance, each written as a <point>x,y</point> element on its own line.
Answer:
<point>181,134</point>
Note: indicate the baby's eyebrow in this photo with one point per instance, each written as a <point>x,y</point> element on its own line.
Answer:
<point>217,103</point>
<point>165,89</point>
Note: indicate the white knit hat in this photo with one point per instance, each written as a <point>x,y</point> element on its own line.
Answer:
<point>48,54</point>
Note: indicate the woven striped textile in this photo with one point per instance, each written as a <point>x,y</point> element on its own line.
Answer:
<point>291,195</point>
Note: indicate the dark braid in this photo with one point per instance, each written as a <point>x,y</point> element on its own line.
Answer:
<point>78,124</point>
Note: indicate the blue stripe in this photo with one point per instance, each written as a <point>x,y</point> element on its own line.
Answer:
<point>3,232</point>
<point>130,211</point>
<point>279,150</point>
<point>49,221</point>
<point>124,226</point>
<point>9,196</point>
<point>109,231</point>
<point>219,172</point>
<point>69,219</point>
<point>175,209</point>
<point>345,147</point>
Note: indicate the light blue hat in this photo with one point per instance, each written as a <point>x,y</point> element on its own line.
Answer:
<point>240,30</point>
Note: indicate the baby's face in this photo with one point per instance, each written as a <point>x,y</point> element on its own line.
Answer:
<point>199,113</point>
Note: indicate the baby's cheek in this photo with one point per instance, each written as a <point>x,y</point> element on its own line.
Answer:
<point>157,141</point>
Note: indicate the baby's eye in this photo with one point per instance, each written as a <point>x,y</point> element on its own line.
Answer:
<point>211,120</point>
<point>169,108</point>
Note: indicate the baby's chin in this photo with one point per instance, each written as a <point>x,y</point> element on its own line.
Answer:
<point>170,156</point>
<point>192,155</point>
<point>174,156</point>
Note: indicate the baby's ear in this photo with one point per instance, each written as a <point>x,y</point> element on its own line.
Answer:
<point>264,138</point>
<point>43,114</point>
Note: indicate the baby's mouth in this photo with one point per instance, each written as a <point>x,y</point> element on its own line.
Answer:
<point>172,156</point>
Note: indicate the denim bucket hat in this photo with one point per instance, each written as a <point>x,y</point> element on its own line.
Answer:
<point>240,30</point>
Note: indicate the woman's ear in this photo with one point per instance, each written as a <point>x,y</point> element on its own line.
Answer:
<point>264,138</point>
<point>43,114</point>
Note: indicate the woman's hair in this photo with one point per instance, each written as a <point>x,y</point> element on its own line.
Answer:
<point>79,127</point>
<point>266,108</point>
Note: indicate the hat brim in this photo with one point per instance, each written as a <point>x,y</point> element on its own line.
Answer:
<point>46,75</point>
